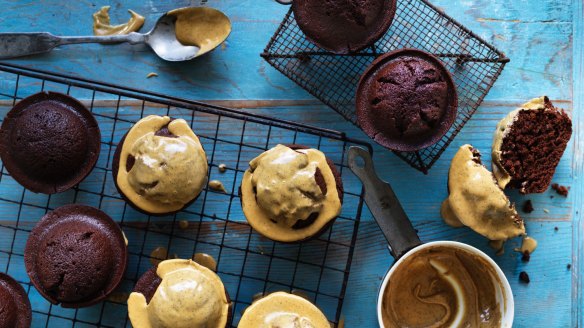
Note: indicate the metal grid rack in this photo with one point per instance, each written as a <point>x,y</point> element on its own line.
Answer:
<point>247,263</point>
<point>474,64</point>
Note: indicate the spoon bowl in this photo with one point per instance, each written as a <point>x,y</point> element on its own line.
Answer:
<point>185,33</point>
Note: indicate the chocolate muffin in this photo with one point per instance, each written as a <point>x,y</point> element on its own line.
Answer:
<point>204,302</point>
<point>528,145</point>
<point>291,193</point>
<point>281,309</point>
<point>76,256</point>
<point>476,201</point>
<point>15,310</point>
<point>49,142</point>
<point>406,100</point>
<point>160,166</point>
<point>344,26</point>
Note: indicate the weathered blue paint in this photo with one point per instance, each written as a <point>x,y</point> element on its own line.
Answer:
<point>544,40</point>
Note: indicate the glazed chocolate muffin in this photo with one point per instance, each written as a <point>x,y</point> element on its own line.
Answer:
<point>302,208</point>
<point>528,145</point>
<point>406,100</point>
<point>49,142</point>
<point>15,310</point>
<point>146,307</point>
<point>177,177</point>
<point>76,256</point>
<point>344,26</point>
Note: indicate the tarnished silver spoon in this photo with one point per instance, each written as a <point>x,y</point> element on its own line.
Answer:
<point>162,38</point>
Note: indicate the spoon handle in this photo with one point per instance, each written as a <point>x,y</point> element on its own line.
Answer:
<point>132,38</point>
<point>24,44</point>
<point>384,205</point>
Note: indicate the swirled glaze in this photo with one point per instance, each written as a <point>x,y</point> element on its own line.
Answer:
<point>442,287</point>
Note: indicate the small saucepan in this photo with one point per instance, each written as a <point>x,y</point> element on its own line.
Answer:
<point>437,284</point>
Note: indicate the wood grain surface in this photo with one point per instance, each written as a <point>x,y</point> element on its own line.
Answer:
<point>543,38</point>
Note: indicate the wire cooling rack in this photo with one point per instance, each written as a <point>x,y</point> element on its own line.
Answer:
<point>247,263</point>
<point>474,64</point>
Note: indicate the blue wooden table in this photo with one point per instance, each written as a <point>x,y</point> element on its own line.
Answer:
<point>544,40</point>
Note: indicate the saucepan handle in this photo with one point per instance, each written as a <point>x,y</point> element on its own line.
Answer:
<point>384,205</point>
<point>284,2</point>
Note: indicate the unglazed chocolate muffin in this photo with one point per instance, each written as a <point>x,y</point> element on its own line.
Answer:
<point>291,193</point>
<point>15,310</point>
<point>528,145</point>
<point>160,166</point>
<point>49,142</point>
<point>406,100</point>
<point>282,309</point>
<point>344,26</point>
<point>76,256</point>
<point>179,294</point>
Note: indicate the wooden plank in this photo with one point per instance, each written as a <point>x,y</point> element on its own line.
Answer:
<point>578,164</point>
<point>539,46</point>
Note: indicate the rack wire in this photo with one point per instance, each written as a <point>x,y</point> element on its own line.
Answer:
<point>474,64</point>
<point>247,263</point>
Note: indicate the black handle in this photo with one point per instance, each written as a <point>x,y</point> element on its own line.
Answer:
<point>284,2</point>
<point>384,205</point>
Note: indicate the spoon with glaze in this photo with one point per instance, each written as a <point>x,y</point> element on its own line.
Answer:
<point>178,35</point>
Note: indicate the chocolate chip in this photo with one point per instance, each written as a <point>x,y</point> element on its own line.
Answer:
<point>526,256</point>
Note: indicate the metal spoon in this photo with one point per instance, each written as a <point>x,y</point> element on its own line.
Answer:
<point>162,38</point>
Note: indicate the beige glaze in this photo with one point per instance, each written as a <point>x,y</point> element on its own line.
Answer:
<point>217,186</point>
<point>286,191</point>
<point>283,310</point>
<point>503,128</point>
<point>168,172</point>
<point>498,245</point>
<point>441,287</point>
<point>189,296</point>
<point>476,201</point>
<point>101,23</point>
<point>202,27</point>
<point>205,260</point>
<point>527,245</point>
<point>158,255</point>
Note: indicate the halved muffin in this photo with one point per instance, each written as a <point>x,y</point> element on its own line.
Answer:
<point>476,201</point>
<point>160,166</point>
<point>528,145</point>
<point>282,309</point>
<point>291,193</point>
<point>179,294</point>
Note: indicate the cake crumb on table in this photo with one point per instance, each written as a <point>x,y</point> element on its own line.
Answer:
<point>524,277</point>
<point>561,190</point>
<point>527,206</point>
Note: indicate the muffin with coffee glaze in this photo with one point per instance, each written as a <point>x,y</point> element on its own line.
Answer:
<point>291,193</point>
<point>75,256</point>
<point>49,142</point>
<point>476,201</point>
<point>282,309</point>
<point>15,310</point>
<point>160,166</point>
<point>342,26</point>
<point>528,145</point>
<point>179,294</point>
<point>406,100</point>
